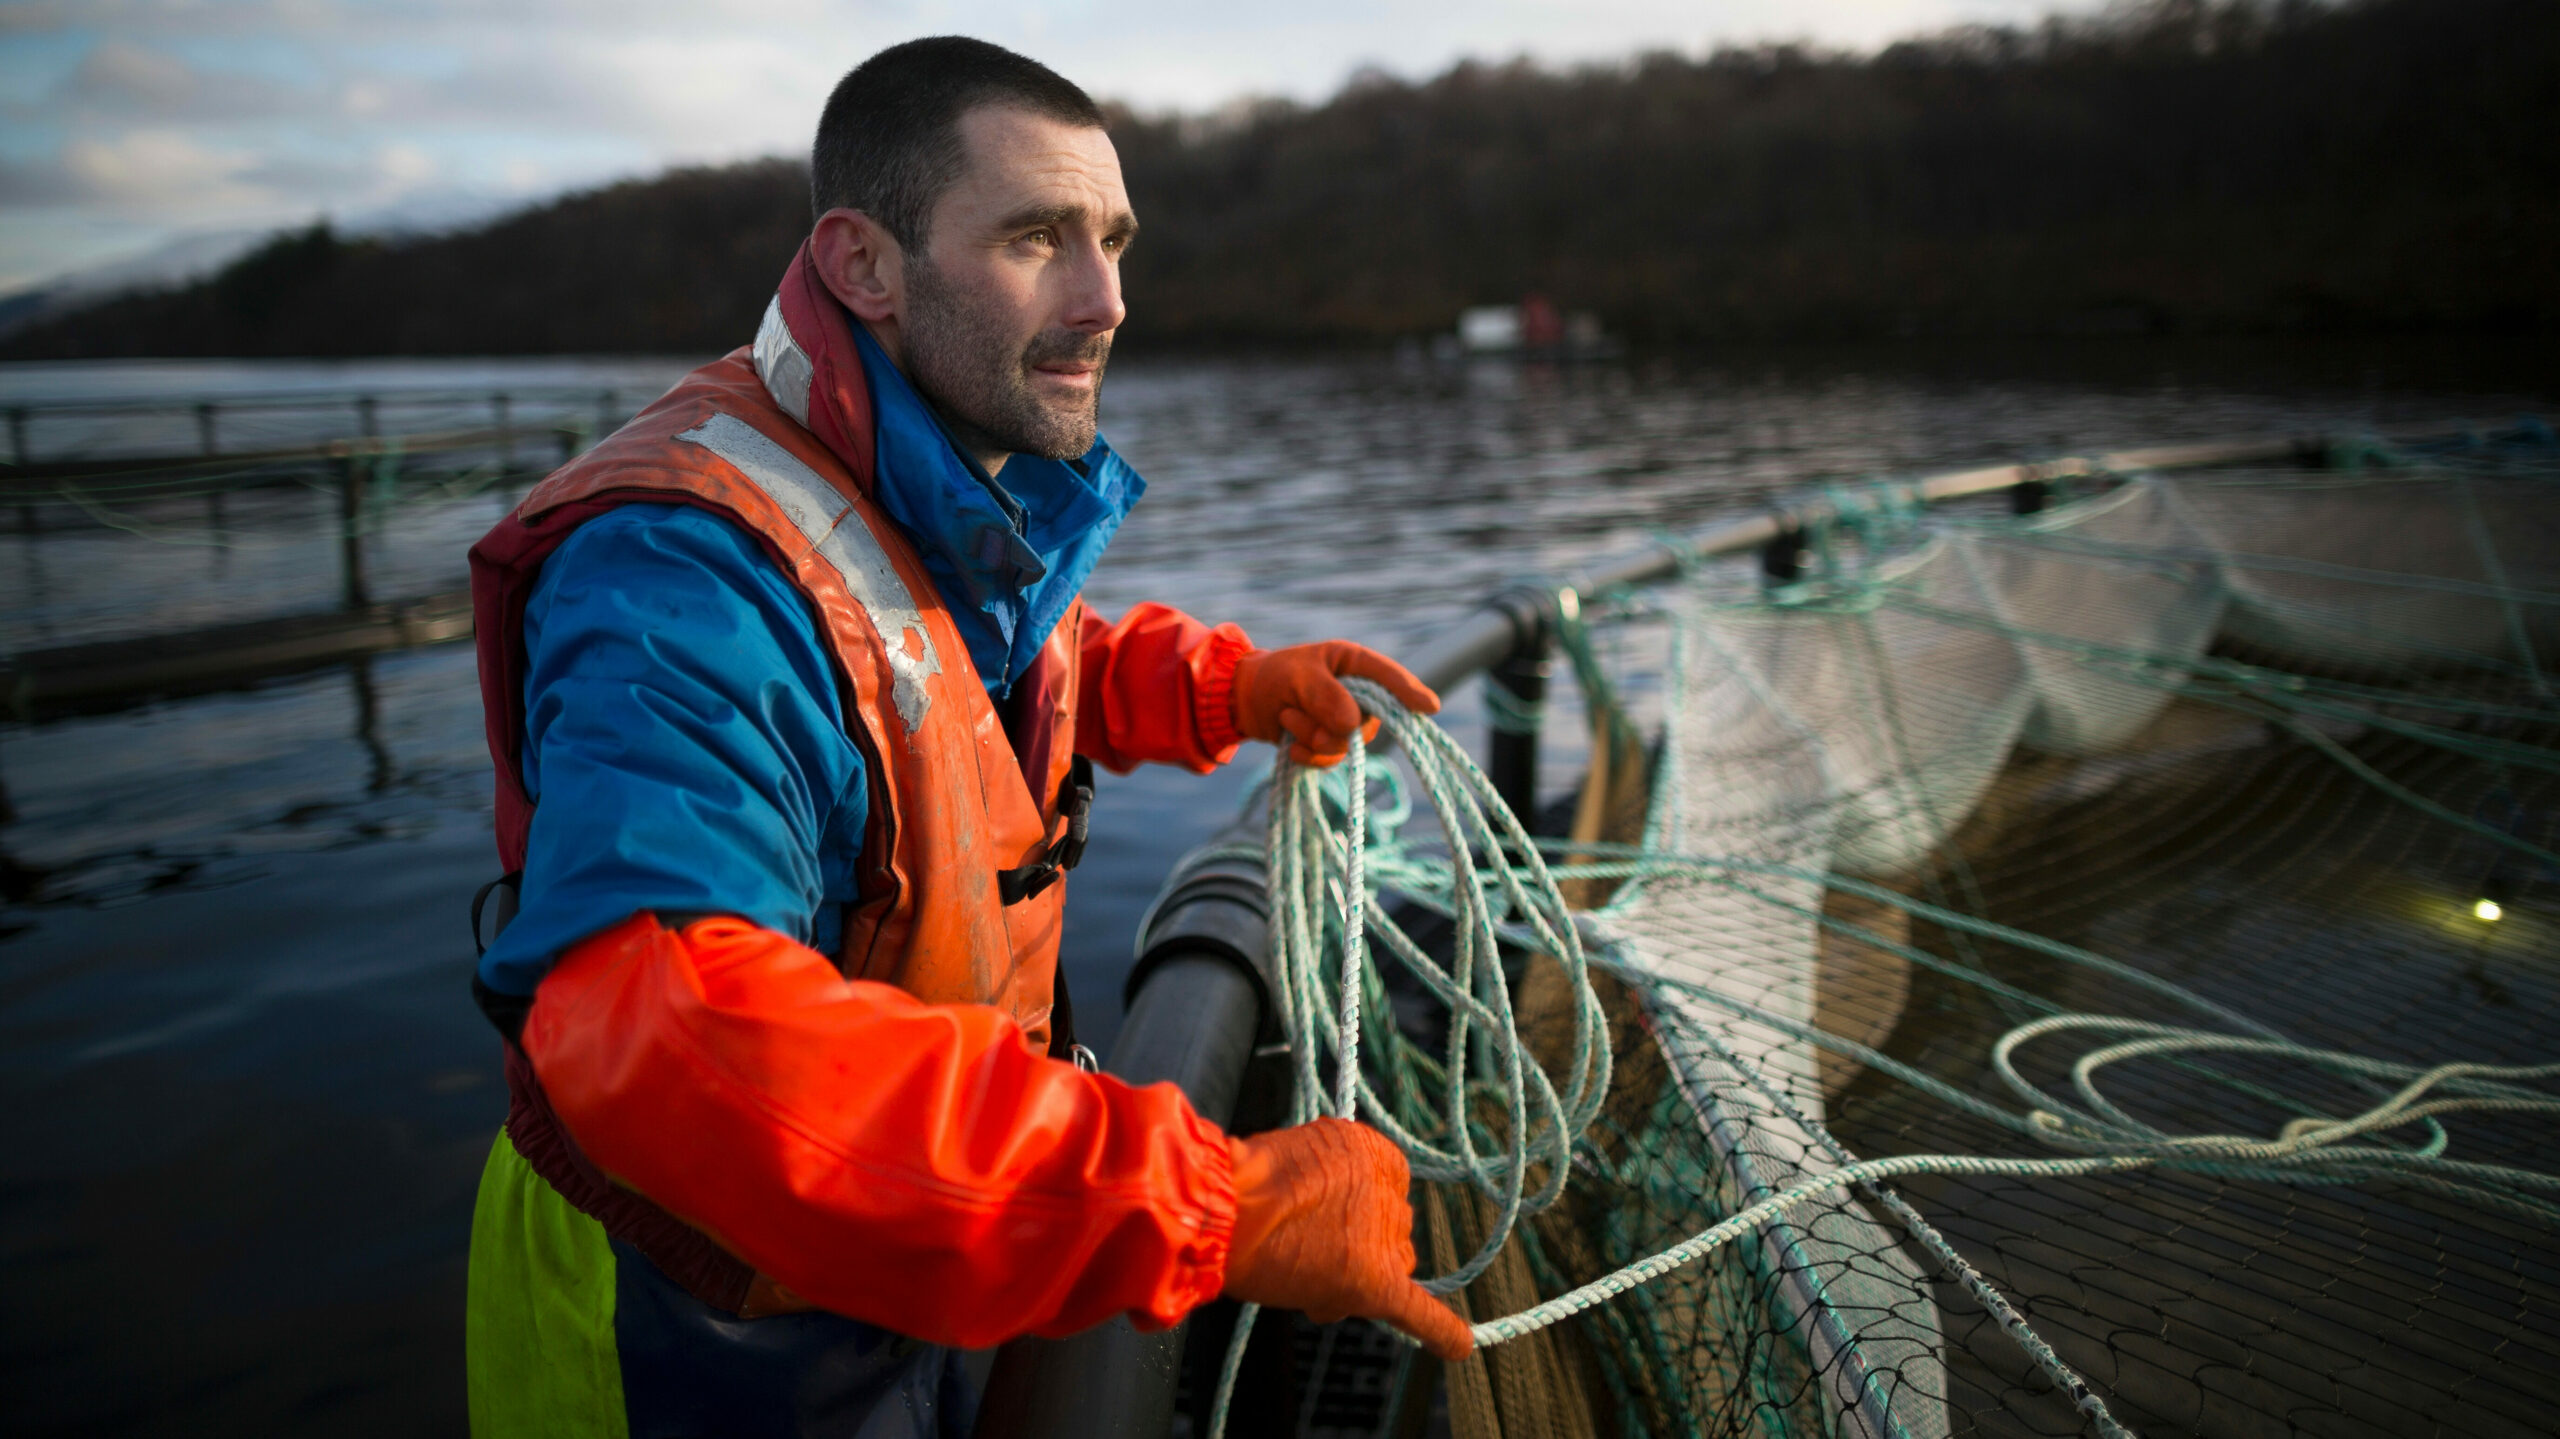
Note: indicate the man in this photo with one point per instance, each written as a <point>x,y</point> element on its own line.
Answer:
<point>790,692</point>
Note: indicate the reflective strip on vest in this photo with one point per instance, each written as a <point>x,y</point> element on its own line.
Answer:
<point>782,364</point>
<point>826,519</point>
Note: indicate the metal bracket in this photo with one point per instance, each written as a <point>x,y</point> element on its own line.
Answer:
<point>1782,559</point>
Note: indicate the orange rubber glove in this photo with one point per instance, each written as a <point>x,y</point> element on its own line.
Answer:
<point>1322,1226</point>
<point>1297,695</point>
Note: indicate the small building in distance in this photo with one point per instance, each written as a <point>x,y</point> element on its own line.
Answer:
<point>1534,328</point>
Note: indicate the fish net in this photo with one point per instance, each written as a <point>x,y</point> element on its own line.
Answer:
<point>2091,861</point>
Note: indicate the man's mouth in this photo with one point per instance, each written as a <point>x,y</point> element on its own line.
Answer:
<point>1072,362</point>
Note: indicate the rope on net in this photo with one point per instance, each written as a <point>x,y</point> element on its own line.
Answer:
<point>1331,853</point>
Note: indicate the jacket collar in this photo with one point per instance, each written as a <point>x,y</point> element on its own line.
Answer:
<point>1009,557</point>
<point>805,355</point>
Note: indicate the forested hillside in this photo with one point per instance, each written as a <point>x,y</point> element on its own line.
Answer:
<point>2183,166</point>
<point>682,263</point>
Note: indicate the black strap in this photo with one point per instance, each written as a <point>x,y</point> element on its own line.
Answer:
<point>506,1011</point>
<point>1062,1016</point>
<point>1075,806</point>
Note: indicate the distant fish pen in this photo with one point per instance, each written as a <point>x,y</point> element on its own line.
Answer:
<point>176,470</point>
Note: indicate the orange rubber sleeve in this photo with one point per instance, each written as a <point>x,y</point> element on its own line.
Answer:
<point>1156,686</point>
<point>912,1165</point>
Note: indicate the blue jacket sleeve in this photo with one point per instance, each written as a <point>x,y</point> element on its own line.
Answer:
<point>683,742</point>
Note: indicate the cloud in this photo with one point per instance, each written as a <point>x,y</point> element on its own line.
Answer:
<point>120,80</point>
<point>679,97</point>
<point>160,170</point>
<point>121,71</point>
<point>282,176</point>
<point>25,185</point>
<point>166,173</point>
<point>404,167</point>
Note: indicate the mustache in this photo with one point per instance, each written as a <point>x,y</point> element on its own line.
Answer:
<point>1074,346</point>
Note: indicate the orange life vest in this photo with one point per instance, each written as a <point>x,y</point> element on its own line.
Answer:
<point>972,818</point>
<point>956,810</point>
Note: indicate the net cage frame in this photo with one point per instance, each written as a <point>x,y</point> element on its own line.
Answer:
<point>1892,817</point>
<point>1826,1365</point>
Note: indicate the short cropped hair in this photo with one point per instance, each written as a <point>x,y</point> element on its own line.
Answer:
<point>889,143</point>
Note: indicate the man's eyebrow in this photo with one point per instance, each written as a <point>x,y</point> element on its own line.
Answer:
<point>1123,226</point>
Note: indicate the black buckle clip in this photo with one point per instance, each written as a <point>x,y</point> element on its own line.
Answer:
<point>1075,806</point>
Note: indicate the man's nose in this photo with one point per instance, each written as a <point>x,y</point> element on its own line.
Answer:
<point>1093,292</point>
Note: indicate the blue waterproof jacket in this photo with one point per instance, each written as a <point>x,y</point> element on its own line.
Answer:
<point>684,731</point>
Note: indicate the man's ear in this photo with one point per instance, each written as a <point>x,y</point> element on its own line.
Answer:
<point>861,264</point>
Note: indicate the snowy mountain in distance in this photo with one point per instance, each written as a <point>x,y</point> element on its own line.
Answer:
<point>178,261</point>
<point>192,255</point>
<point>435,212</point>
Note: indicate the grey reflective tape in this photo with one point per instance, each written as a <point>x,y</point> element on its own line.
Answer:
<point>782,364</point>
<point>826,519</point>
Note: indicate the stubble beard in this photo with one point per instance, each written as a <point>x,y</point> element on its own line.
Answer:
<point>962,357</point>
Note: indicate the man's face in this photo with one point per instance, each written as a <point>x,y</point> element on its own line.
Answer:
<point>1012,304</point>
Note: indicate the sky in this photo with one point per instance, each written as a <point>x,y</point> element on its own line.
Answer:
<point>143,132</point>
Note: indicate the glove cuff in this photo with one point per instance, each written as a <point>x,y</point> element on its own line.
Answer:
<point>1214,692</point>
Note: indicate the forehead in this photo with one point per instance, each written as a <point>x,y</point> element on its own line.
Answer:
<point>1017,159</point>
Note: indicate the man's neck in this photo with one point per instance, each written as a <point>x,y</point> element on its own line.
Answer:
<point>968,440</point>
<point>966,437</point>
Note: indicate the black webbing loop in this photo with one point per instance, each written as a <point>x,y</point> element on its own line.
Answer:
<point>1075,806</point>
<point>512,880</point>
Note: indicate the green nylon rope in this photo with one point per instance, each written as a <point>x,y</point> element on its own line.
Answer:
<point>1319,847</point>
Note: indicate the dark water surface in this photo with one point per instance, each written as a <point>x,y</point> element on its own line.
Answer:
<point>244,1096</point>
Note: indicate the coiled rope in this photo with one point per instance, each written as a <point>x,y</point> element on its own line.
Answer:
<point>1330,853</point>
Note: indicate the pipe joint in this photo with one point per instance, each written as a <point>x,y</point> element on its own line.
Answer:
<point>1535,609</point>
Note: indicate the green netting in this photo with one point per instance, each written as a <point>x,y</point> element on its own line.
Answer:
<point>2072,876</point>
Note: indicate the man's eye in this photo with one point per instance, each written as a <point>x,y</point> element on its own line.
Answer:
<point>1043,236</point>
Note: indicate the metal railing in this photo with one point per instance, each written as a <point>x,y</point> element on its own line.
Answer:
<point>327,417</point>
<point>114,455</point>
<point>1199,1011</point>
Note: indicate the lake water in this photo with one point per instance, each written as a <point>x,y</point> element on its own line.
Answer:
<point>244,1095</point>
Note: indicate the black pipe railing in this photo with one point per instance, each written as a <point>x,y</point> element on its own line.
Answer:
<point>1515,696</point>
<point>1199,1010</point>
